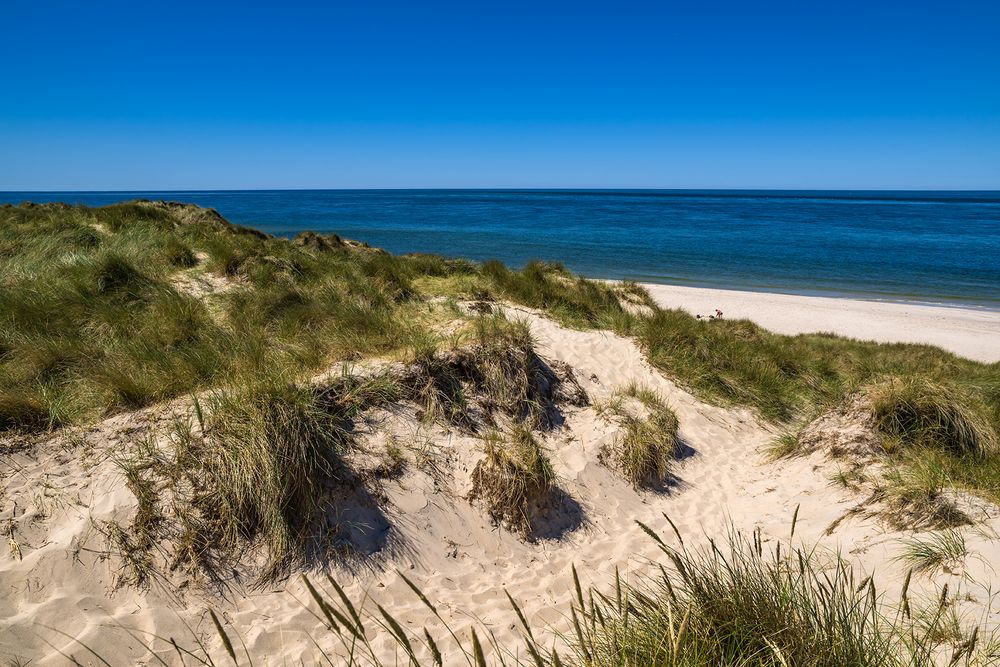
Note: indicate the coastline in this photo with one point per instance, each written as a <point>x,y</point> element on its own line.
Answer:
<point>872,245</point>
<point>966,331</point>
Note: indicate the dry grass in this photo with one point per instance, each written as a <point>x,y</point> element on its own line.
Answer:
<point>494,381</point>
<point>513,480</point>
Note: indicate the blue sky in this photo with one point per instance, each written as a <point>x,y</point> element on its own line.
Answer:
<point>212,95</point>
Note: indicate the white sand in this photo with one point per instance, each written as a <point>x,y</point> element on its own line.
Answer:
<point>968,332</point>
<point>443,542</point>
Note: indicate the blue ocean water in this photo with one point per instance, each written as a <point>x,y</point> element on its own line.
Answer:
<point>925,246</point>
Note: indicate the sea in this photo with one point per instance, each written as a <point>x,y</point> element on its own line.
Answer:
<point>937,247</point>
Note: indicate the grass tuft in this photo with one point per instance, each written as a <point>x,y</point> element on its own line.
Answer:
<point>514,479</point>
<point>919,494</point>
<point>648,443</point>
<point>921,413</point>
<point>741,604</point>
<point>272,448</point>
<point>498,379</point>
<point>942,549</point>
<point>256,483</point>
<point>785,445</point>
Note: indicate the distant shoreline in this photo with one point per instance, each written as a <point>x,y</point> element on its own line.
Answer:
<point>935,301</point>
<point>924,246</point>
<point>969,332</point>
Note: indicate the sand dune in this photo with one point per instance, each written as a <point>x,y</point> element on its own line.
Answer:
<point>62,578</point>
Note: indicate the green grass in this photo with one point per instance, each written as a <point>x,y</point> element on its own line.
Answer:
<point>931,552</point>
<point>550,287</point>
<point>93,321</point>
<point>248,484</point>
<point>786,444</point>
<point>303,302</point>
<point>268,453</point>
<point>739,603</point>
<point>920,413</point>
<point>648,443</point>
<point>917,492</point>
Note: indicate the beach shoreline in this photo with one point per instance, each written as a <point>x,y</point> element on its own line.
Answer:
<point>969,332</point>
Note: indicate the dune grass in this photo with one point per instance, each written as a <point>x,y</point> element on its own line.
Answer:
<point>107,317</point>
<point>917,492</point>
<point>514,479</point>
<point>550,287</point>
<point>730,603</point>
<point>648,442</point>
<point>946,409</point>
<point>739,603</point>
<point>95,319</point>
<point>785,444</point>
<point>256,473</point>
<point>490,377</point>
<point>941,549</point>
<point>916,412</point>
<point>268,452</point>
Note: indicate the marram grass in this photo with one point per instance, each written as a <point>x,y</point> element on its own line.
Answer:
<point>514,479</point>
<point>731,603</point>
<point>648,442</point>
<point>97,317</point>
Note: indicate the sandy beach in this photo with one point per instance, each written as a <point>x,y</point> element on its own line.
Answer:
<point>969,332</point>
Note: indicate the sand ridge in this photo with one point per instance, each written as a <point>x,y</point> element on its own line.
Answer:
<point>444,544</point>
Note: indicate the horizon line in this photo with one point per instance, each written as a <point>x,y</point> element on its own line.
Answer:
<point>500,189</point>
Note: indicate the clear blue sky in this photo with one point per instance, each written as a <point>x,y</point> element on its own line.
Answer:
<point>206,95</point>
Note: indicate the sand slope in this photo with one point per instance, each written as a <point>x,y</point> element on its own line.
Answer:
<point>432,533</point>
